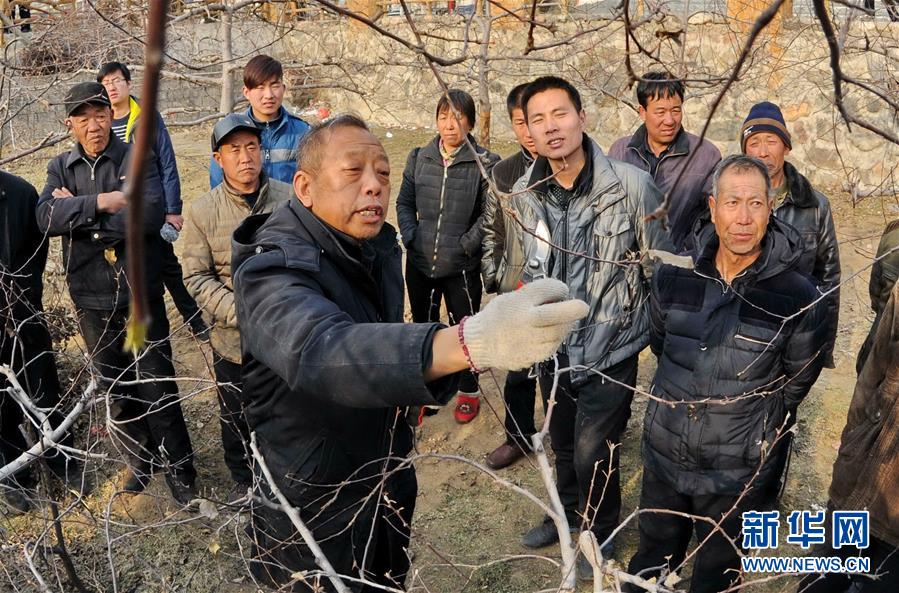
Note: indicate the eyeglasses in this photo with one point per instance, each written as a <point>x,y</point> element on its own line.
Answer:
<point>114,81</point>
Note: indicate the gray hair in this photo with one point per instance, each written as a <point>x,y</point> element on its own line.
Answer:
<point>741,163</point>
<point>309,149</point>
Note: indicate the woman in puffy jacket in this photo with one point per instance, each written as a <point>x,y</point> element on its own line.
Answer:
<point>439,211</point>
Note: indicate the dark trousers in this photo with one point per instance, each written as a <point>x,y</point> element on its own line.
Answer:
<point>149,423</point>
<point>519,394</point>
<point>235,430</point>
<point>30,355</point>
<point>664,538</point>
<point>462,294</point>
<point>173,279</point>
<point>586,421</point>
<point>354,529</point>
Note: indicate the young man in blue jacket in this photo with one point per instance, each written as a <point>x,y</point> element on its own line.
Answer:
<point>116,79</point>
<point>264,88</point>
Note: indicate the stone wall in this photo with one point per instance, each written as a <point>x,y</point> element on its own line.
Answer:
<point>349,68</point>
<point>790,68</point>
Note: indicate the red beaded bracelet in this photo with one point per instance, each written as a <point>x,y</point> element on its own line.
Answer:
<point>465,350</point>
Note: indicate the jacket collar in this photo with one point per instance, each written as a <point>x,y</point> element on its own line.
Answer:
<point>237,198</point>
<point>781,250</point>
<point>432,151</point>
<point>133,114</point>
<point>115,151</point>
<point>526,155</point>
<point>354,258</point>
<point>605,188</point>
<point>680,146</point>
<point>283,114</point>
<point>584,181</point>
<point>801,192</point>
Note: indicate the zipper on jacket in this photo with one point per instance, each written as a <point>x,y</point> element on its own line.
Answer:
<point>439,217</point>
<point>563,270</point>
<point>751,340</point>
<point>91,166</point>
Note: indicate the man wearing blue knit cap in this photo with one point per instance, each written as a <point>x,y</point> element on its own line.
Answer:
<point>764,135</point>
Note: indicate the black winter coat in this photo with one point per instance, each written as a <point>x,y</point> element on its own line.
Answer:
<point>717,341</point>
<point>93,243</point>
<point>25,342</point>
<point>439,209</point>
<point>501,240</point>
<point>327,360</point>
<point>23,248</point>
<point>808,211</point>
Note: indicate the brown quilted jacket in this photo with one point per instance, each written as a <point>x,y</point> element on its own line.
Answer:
<point>206,262</point>
<point>866,472</point>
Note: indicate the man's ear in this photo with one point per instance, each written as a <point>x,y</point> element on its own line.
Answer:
<point>641,111</point>
<point>245,91</point>
<point>68,122</point>
<point>302,182</point>
<point>218,157</point>
<point>712,207</point>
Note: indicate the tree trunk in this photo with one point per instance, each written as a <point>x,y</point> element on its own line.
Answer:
<point>484,82</point>
<point>226,101</point>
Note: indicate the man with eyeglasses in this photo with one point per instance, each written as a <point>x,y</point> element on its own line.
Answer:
<point>116,79</point>
<point>264,88</point>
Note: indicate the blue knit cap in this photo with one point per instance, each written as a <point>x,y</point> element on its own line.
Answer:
<point>764,117</point>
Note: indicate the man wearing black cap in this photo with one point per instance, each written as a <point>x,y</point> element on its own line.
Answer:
<point>211,219</point>
<point>83,203</point>
<point>764,135</point>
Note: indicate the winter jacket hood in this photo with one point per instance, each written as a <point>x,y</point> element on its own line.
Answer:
<point>781,250</point>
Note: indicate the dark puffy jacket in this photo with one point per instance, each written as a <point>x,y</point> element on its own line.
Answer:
<point>884,274</point>
<point>326,357</point>
<point>689,197</point>
<point>716,341</point>
<point>499,246</point>
<point>25,344</point>
<point>439,209</point>
<point>808,211</point>
<point>279,148</point>
<point>867,465</point>
<point>23,247</point>
<point>93,243</point>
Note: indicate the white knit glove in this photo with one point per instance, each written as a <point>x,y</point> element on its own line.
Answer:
<point>519,328</point>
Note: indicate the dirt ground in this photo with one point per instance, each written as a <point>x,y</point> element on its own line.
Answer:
<point>467,527</point>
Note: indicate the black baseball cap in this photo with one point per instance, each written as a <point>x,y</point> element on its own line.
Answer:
<point>232,123</point>
<point>86,93</point>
